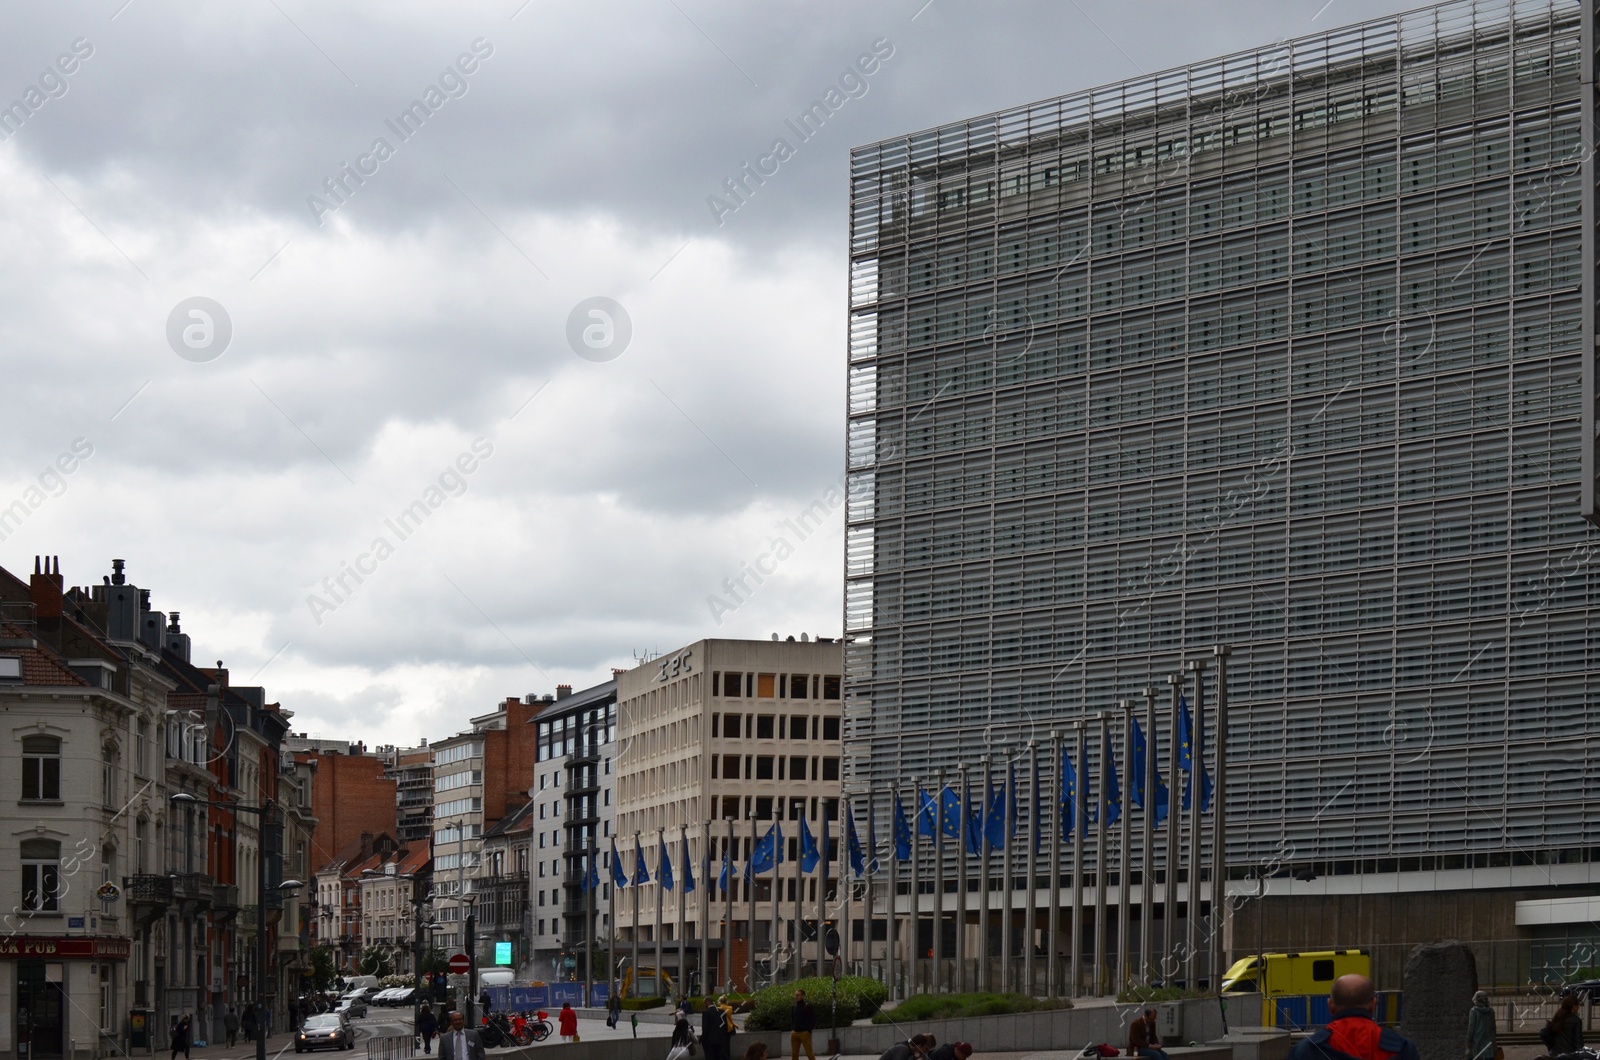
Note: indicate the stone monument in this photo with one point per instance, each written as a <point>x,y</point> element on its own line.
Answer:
<point>1439,982</point>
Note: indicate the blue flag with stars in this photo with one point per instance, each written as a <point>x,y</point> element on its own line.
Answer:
<point>688,866</point>
<point>618,877</point>
<point>902,832</point>
<point>858,861</point>
<point>808,848</point>
<point>664,866</point>
<point>1113,787</point>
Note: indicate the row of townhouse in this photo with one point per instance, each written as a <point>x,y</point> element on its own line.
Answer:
<point>152,800</point>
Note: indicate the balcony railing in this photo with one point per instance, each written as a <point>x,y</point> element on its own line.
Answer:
<point>225,898</point>
<point>193,887</point>
<point>149,889</point>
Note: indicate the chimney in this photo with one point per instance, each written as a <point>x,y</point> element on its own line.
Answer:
<point>563,691</point>
<point>45,587</point>
<point>117,577</point>
<point>177,641</point>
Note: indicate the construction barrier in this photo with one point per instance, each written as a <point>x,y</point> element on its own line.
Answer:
<point>392,1047</point>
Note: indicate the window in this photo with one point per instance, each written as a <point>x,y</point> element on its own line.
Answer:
<point>41,767</point>
<point>141,753</point>
<point>766,686</point>
<point>733,684</point>
<point>830,686</point>
<point>763,810</point>
<point>41,875</point>
<point>830,728</point>
<point>1322,971</point>
<point>730,725</point>
<point>797,767</point>
<point>764,726</point>
<point>730,767</point>
<point>764,767</point>
<point>108,781</point>
<point>830,769</point>
<point>800,727</point>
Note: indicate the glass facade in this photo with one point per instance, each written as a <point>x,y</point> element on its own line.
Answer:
<point>1286,350</point>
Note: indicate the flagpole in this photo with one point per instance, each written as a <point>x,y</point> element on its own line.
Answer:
<point>661,894</point>
<point>1125,863</point>
<point>1080,815</point>
<point>705,909</point>
<point>1147,863</point>
<point>1169,890</point>
<point>1053,915</point>
<point>1197,855</point>
<point>961,880</point>
<point>1007,822</point>
<point>914,925</point>
<point>936,979</point>
<point>750,928</point>
<point>681,899</point>
<point>727,918</point>
<point>983,979</point>
<point>1101,877</point>
<point>799,896</point>
<point>1220,908</point>
<point>822,896</point>
<point>1030,867</point>
<point>637,857</point>
<point>892,928</point>
<point>869,868</point>
<point>777,896</point>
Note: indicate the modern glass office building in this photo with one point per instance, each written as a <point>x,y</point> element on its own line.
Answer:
<point>1290,350</point>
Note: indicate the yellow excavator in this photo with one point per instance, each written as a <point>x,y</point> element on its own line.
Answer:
<point>647,983</point>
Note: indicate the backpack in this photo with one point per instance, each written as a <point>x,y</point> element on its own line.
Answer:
<point>1548,1036</point>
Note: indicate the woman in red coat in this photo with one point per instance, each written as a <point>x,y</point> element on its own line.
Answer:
<point>569,1022</point>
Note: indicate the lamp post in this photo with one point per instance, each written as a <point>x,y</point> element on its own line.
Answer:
<point>417,903</point>
<point>264,815</point>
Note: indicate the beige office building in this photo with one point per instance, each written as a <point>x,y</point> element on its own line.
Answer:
<point>724,733</point>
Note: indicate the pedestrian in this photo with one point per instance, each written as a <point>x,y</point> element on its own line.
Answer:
<point>460,1042</point>
<point>952,1051</point>
<point>1351,1030</point>
<point>802,1021</point>
<point>1480,1028</point>
<point>427,1026</point>
<point>568,1019</point>
<point>756,1051</point>
<point>182,1037</point>
<point>1563,1035</point>
<point>247,1023</point>
<point>485,1002</point>
<point>613,1010</point>
<point>913,1048</point>
<point>230,1025</point>
<point>1143,1038</point>
<point>682,1039</point>
<point>714,1031</point>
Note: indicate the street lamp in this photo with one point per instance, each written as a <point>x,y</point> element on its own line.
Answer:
<point>417,902</point>
<point>264,813</point>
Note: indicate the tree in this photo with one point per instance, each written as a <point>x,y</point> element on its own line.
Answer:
<point>322,967</point>
<point>375,961</point>
<point>435,961</point>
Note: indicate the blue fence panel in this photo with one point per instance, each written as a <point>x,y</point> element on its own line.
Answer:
<point>566,993</point>
<point>599,994</point>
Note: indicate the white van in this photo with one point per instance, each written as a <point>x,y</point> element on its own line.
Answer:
<point>496,977</point>
<point>356,982</point>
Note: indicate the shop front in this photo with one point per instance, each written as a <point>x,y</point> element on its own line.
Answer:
<point>63,994</point>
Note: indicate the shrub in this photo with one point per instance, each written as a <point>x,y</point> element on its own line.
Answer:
<point>959,1006</point>
<point>859,997</point>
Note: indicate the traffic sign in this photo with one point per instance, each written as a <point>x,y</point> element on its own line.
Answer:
<point>459,965</point>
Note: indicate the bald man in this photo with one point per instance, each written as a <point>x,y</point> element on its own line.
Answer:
<point>1352,1033</point>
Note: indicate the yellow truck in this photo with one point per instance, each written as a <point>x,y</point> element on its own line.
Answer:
<point>1294,986</point>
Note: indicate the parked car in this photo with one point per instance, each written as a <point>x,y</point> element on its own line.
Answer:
<point>327,1030</point>
<point>384,997</point>
<point>401,995</point>
<point>351,1007</point>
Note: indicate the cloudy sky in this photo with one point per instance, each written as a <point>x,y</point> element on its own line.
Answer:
<point>418,327</point>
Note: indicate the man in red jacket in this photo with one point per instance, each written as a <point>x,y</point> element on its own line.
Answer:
<point>1352,1033</point>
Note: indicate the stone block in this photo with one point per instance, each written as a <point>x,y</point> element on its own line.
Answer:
<point>1439,981</point>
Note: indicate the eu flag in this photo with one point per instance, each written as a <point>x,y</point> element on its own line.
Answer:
<point>925,822</point>
<point>727,870</point>
<point>591,879</point>
<point>618,877</point>
<point>688,867</point>
<point>1140,765</point>
<point>768,852</point>
<point>1069,797</point>
<point>858,861</point>
<point>1038,809</point>
<point>974,828</point>
<point>1188,751</point>
<point>808,848</point>
<point>664,866</point>
<point>1011,802</point>
<point>951,813</point>
<point>640,874</point>
<point>1112,785</point>
<point>994,822</point>
<point>902,832</point>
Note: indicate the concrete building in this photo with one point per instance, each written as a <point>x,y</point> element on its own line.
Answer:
<point>731,735</point>
<point>387,883</point>
<point>1290,350</point>
<point>573,809</point>
<point>411,769</point>
<point>340,921</point>
<point>503,910</point>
